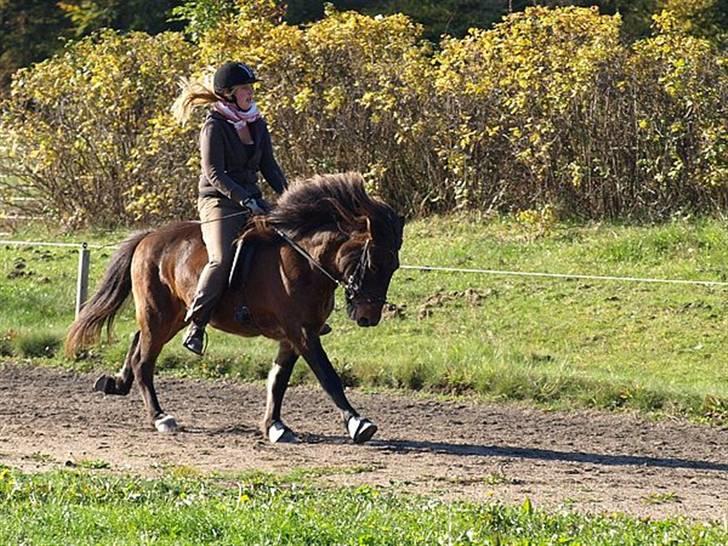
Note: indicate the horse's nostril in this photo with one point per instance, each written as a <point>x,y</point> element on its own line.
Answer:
<point>362,321</point>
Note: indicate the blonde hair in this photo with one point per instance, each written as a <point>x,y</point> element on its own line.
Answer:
<point>194,93</point>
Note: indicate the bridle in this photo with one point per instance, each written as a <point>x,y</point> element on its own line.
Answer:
<point>353,285</point>
<point>354,282</point>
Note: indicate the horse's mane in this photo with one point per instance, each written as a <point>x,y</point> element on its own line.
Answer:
<point>331,200</point>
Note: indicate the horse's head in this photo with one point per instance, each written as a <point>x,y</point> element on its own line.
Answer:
<point>366,231</point>
<point>372,257</point>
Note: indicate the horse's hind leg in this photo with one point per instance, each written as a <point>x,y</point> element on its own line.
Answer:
<point>153,336</point>
<point>159,316</point>
<point>278,377</point>
<point>122,381</point>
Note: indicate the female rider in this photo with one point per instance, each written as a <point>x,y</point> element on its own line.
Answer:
<point>234,145</point>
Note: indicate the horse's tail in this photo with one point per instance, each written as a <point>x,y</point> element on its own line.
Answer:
<point>105,303</point>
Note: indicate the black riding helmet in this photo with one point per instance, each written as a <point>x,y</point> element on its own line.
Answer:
<point>231,74</point>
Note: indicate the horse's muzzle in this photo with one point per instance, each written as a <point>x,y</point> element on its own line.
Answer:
<point>365,322</point>
<point>364,314</point>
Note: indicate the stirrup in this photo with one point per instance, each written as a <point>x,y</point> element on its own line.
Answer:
<point>195,339</point>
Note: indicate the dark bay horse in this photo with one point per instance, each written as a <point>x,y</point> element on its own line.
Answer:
<point>353,237</point>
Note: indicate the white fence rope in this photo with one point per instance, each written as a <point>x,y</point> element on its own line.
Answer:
<point>44,243</point>
<point>563,275</point>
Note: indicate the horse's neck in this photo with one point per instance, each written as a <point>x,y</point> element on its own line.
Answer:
<point>323,247</point>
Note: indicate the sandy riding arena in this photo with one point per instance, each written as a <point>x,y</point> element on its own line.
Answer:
<point>589,461</point>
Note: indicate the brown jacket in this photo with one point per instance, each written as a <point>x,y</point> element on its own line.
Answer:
<point>229,167</point>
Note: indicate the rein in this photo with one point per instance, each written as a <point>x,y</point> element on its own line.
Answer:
<point>352,286</point>
<point>302,251</point>
<point>200,222</point>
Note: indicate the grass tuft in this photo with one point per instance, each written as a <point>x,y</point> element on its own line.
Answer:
<point>6,345</point>
<point>38,345</point>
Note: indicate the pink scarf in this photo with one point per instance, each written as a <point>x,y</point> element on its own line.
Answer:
<point>235,116</point>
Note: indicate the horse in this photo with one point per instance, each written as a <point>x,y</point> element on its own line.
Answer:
<point>324,231</point>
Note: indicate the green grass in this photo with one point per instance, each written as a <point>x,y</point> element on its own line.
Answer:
<point>661,498</point>
<point>559,343</point>
<point>83,507</point>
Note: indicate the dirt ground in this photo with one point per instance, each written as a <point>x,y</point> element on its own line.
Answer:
<point>582,460</point>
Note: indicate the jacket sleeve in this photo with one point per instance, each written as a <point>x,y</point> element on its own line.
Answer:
<point>272,172</point>
<point>212,151</point>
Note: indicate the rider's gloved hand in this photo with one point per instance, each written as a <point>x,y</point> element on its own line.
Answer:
<point>254,206</point>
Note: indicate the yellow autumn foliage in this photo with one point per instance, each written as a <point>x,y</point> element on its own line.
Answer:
<point>547,111</point>
<point>76,126</point>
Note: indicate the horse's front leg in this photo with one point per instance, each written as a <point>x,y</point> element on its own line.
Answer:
<point>278,377</point>
<point>360,429</point>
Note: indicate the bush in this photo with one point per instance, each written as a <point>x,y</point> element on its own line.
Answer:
<point>679,91</point>
<point>547,111</point>
<point>78,127</point>
<point>550,107</point>
<point>341,94</point>
<point>518,96</point>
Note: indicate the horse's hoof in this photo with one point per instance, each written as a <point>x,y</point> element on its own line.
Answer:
<point>166,424</point>
<point>105,384</point>
<point>361,430</point>
<point>278,433</point>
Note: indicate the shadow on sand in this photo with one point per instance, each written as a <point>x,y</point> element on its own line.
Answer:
<point>473,450</point>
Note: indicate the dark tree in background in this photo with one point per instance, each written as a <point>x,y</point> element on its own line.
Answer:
<point>455,17</point>
<point>87,16</point>
<point>439,17</point>
<point>30,31</point>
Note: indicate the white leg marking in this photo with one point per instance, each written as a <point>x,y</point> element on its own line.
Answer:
<point>276,430</point>
<point>166,424</point>
<point>360,429</point>
<point>280,433</point>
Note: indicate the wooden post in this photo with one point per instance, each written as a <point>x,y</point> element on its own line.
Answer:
<point>84,258</point>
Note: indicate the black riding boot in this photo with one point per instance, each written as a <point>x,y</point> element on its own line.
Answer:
<point>195,338</point>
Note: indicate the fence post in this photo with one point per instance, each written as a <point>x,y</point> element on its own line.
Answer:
<point>84,258</point>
